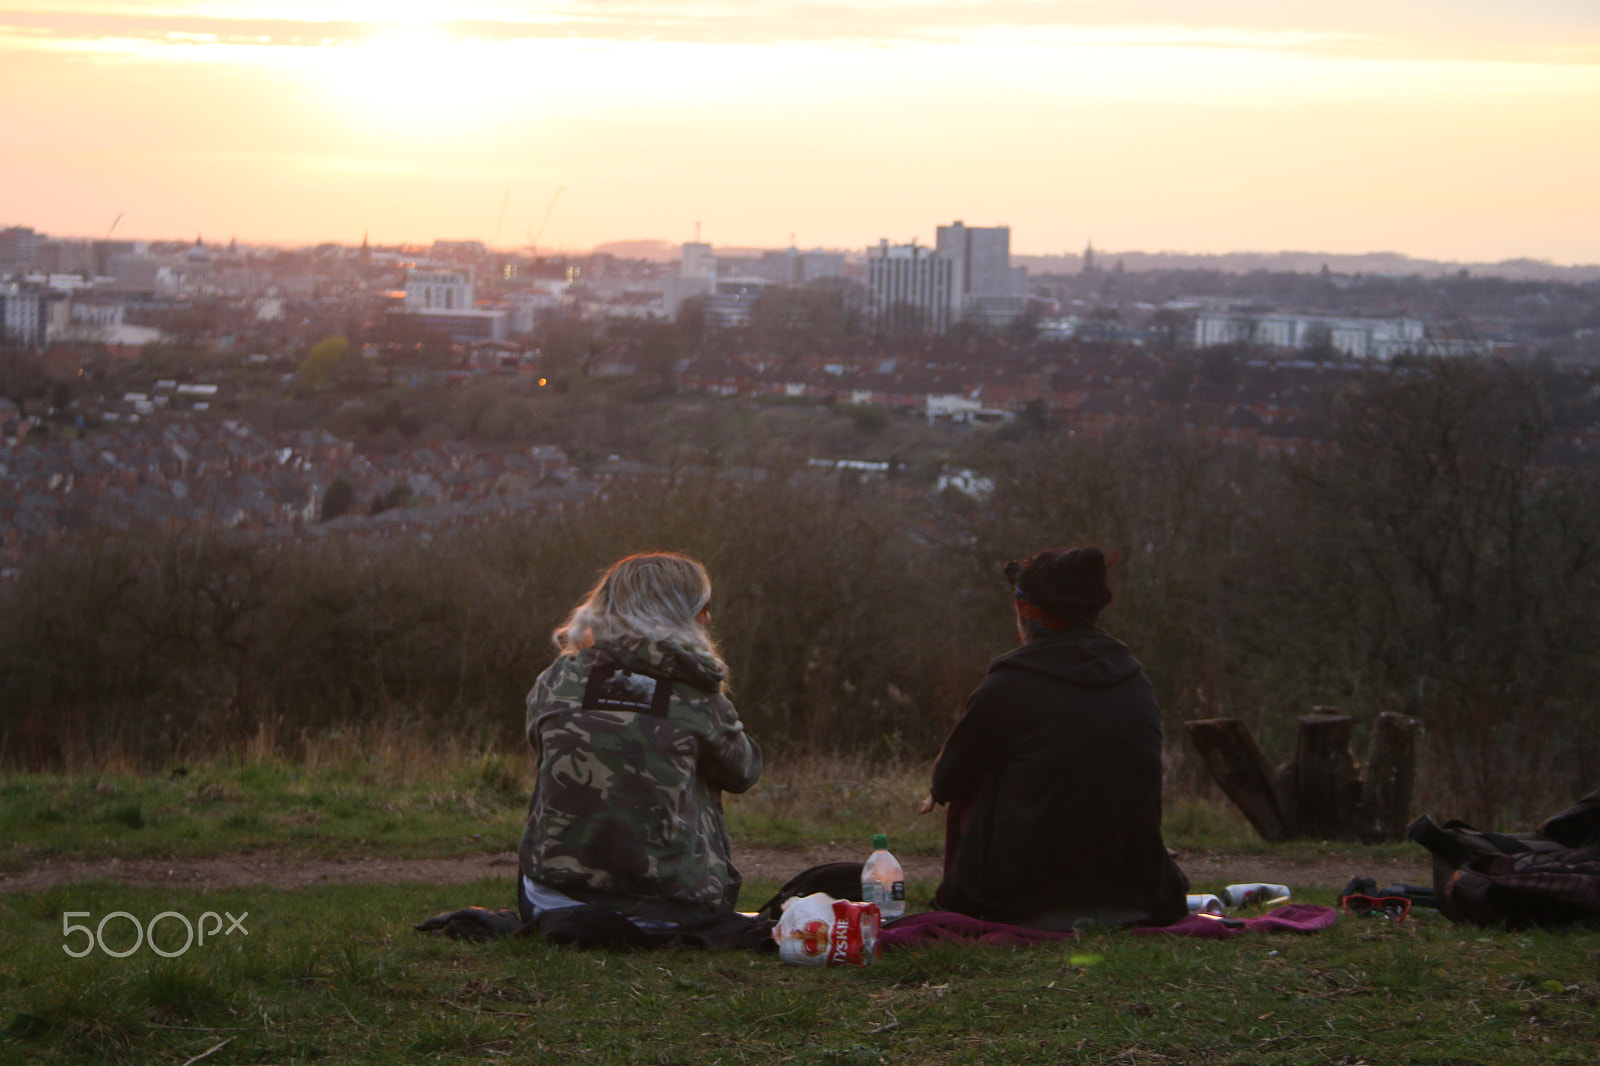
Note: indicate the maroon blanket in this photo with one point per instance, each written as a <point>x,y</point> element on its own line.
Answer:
<point>934,926</point>
<point>1289,918</point>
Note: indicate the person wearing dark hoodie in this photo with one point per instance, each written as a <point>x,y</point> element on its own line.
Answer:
<point>1053,773</point>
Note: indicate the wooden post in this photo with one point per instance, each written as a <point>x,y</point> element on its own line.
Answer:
<point>1326,779</point>
<point>1234,758</point>
<point>1391,770</point>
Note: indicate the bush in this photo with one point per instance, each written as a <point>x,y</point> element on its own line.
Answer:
<point>170,646</point>
<point>1435,560</point>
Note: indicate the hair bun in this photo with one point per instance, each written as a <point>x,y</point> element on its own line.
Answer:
<point>1070,583</point>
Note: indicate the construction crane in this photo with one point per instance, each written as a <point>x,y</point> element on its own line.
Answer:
<point>533,237</point>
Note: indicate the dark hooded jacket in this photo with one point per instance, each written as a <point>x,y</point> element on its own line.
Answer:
<point>1058,761</point>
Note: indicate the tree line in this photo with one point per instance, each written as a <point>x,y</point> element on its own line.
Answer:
<point>1434,559</point>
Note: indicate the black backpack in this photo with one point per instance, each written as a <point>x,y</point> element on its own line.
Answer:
<point>841,880</point>
<point>1546,878</point>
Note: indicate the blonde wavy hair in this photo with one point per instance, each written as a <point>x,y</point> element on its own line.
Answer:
<point>651,595</point>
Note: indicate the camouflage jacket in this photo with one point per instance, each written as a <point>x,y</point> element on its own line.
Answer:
<point>635,745</point>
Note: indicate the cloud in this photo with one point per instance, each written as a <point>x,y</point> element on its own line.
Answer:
<point>1547,30</point>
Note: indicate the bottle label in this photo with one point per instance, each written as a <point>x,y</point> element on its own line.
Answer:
<point>899,891</point>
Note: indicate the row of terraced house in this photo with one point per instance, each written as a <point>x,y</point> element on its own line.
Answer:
<point>1276,407</point>
<point>229,476</point>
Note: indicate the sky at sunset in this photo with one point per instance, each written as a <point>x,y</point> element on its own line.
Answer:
<point>1455,129</point>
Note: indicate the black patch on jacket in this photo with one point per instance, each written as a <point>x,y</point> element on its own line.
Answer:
<point>613,687</point>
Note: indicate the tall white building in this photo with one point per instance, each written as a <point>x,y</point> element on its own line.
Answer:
<point>697,278</point>
<point>433,289</point>
<point>989,291</point>
<point>697,261</point>
<point>911,288</point>
<point>443,299</point>
<point>24,313</point>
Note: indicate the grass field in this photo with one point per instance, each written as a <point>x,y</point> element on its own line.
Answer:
<point>336,974</point>
<point>403,803</point>
<point>474,802</point>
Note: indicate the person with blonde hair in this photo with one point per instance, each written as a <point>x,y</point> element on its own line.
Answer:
<point>636,741</point>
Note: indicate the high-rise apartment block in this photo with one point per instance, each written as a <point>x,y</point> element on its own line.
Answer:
<point>966,276</point>
<point>911,288</point>
<point>18,246</point>
<point>30,312</point>
<point>989,292</point>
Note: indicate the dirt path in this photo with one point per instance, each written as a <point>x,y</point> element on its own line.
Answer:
<point>1207,871</point>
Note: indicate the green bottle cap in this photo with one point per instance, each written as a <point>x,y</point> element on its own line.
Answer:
<point>880,841</point>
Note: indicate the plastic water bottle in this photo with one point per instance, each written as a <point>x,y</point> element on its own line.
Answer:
<point>1203,903</point>
<point>882,880</point>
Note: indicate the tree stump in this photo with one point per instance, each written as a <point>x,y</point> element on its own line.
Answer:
<point>1326,779</point>
<point>1385,807</point>
<point>1236,763</point>
<point>1320,792</point>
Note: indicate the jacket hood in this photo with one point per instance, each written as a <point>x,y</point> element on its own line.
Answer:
<point>1084,657</point>
<point>667,660</point>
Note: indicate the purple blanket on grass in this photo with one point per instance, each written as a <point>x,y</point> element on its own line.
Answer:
<point>935,926</point>
<point>1289,918</point>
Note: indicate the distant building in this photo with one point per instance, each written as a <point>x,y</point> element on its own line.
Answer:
<point>429,289</point>
<point>98,310</point>
<point>791,266</point>
<point>1058,328</point>
<point>444,300</point>
<point>964,407</point>
<point>910,288</point>
<point>697,278</point>
<point>136,272</point>
<point>697,261</point>
<point>989,292</point>
<point>28,311</point>
<point>965,481</point>
<point>732,300</point>
<point>466,325</point>
<point>1359,338</point>
<point>455,250</point>
<point>526,304</point>
<point>103,251</point>
<point>18,247</point>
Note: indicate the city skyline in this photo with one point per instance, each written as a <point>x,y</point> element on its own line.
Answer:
<point>1459,130</point>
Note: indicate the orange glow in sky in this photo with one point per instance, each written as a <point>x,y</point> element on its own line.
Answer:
<point>1460,129</point>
